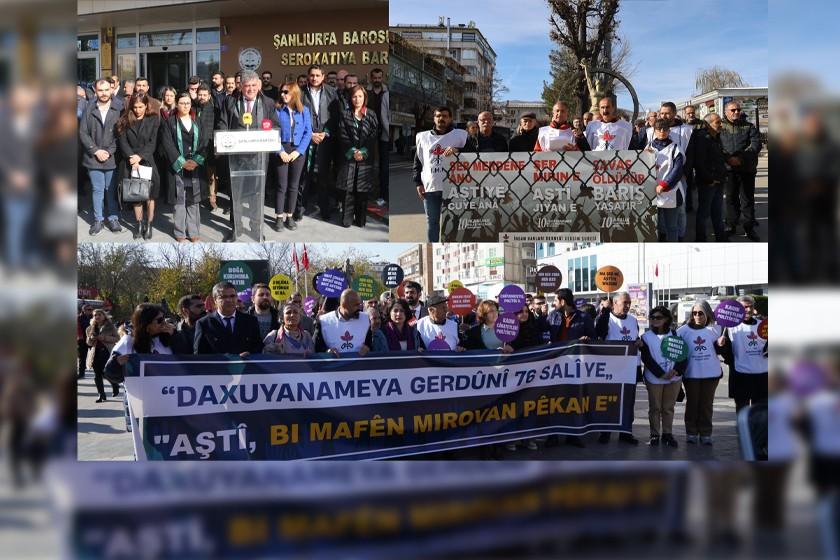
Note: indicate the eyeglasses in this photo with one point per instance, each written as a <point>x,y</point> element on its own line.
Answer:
<point>284,92</point>
<point>697,313</point>
<point>734,110</point>
<point>657,317</point>
<point>160,320</point>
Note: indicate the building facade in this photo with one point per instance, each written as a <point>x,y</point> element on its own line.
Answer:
<point>170,40</point>
<point>673,270</point>
<point>416,263</point>
<point>507,113</point>
<point>465,44</point>
<point>483,268</point>
<point>753,100</point>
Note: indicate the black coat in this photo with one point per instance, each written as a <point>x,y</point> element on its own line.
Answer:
<point>212,337</point>
<point>231,117</point>
<point>741,139</point>
<point>141,139</point>
<point>472,339</point>
<point>329,110</point>
<point>169,145</point>
<point>96,136</point>
<point>498,142</point>
<point>352,136</point>
<point>709,159</point>
<point>525,142</point>
<point>529,335</point>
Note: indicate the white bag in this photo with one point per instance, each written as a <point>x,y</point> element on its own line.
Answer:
<point>142,172</point>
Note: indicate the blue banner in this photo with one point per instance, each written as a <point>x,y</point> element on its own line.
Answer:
<point>373,407</point>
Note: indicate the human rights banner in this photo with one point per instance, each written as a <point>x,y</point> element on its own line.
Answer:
<point>378,406</point>
<point>396,509</point>
<point>558,196</point>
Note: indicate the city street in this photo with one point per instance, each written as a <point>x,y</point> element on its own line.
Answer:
<point>102,435</point>
<point>408,222</point>
<point>215,225</point>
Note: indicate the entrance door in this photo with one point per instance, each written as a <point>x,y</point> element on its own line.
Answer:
<point>167,69</point>
<point>86,70</point>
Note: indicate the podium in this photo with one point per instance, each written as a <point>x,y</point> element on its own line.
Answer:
<point>247,152</point>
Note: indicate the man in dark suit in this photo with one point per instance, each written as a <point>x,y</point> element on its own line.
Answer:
<point>227,331</point>
<point>418,309</point>
<point>260,108</point>
<point>325,108</point>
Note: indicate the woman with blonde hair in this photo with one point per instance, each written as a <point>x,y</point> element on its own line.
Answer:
<point>295,135</point>
<point>101,336</point>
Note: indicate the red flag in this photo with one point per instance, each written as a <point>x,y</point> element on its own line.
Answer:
<point>305,258</point>
<point>295,259</point>
<point>656,272</point>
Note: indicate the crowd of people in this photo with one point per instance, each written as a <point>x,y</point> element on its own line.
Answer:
<point>136,148</point>
<point>347,325</point>
<point>714,156</point>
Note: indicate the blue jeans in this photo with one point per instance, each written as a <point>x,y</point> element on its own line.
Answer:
<point>17,213</point>
<point>104,191</point>
<point>669,223</point>
<point>432,203</point>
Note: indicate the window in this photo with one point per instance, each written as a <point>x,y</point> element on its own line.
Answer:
<point>87,43</point>
<point>207,36</point>
<point>570,277</point>
<point>470,37</point>
<point>593,269</point>
<point>127,41</point>
<point>469,54</point>
<point>578,278</point>
<point>206,62</point>
<point>551,249</point>
<point>584,273</point>
<point>166,38</point>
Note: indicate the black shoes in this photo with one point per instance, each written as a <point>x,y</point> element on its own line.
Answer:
<point>290,224</point>
<point>114,226</point>
<point>116,391</point>
<point>604,437</point>
<point>101,399</point>
<point>147,234</point>
<point>668,440</point>
<point>628,438</point>
<point>95,228</point>
<point>138,233</point>
<point>653,441</point>
<point>277,225</point>
<point>752,235</point>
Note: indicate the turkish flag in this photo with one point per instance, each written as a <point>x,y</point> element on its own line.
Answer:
<point>305,259</point>
<point>656,271</point>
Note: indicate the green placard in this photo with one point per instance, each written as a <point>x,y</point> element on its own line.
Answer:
<point>365,286</point>
<point>674,348</point>
<point>237,273</point>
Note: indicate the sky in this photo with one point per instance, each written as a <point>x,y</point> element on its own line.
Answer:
<point>705,33</point>
<point>385,251</point>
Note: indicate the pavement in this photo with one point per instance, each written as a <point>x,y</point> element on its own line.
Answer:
<point>102,435</point>
<point>408,220</point>
<point>215,225</point>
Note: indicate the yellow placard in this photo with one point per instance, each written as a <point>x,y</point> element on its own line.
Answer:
<point>454,285</point>
<point>281,287</point>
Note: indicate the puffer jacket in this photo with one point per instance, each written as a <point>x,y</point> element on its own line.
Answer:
<point>741,139</point>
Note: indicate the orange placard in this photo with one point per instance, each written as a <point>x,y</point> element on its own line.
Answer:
<point>762,329</point>
<point>609,279</point>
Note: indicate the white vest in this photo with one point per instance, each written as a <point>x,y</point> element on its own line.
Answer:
<point>703,362</point>
<point>679,135</point>
<point>823,410</point>
<point>429,331</point>
<point>664,162</point>
<point>430,149</point>
<point>654,343</point>
<point>748,348</point>
<point>781,440</point>
<point>552,139</point>
<point>609,136</point>
<point>343,335</point>
<point>625,330</point>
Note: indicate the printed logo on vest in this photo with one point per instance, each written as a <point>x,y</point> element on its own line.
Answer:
<point>753,339</point>
<point>347,338</point>
<point>700,344</point>
<point>437,151</point>
<point>625,333</point>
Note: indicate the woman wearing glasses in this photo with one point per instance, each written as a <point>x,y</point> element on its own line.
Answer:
<point>703,373</point>
<point>151,333</point>
<point>295,135</point>
<point>663,377</point>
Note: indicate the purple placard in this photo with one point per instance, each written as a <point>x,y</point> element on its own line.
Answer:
<point>438,344</point>
<point>511,298</point>
<point>309,304</point>
<point>507,327</point>
<point>331,283</point>
<point>729,313</point>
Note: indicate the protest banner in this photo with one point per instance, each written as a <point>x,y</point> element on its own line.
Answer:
<point>392,275</point>
<point>609,279</point>
<point>454,285</point>
<point>331,282</point>
<point>511,299</point>
<point>559,196</point>
<point>461,300</point>
<point>762,329</point>
<point>365,286</point>
<point>244,273</point>
<point>281,287</point>
<point>380,406</point>
<point>548,279</point>
<point>640,303</point>
<point>394,509</point>
<point>729,313</point>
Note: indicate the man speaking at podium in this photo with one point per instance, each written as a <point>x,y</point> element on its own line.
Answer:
<point>249,110</point>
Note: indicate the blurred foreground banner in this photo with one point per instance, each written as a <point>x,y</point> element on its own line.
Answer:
<point>359,510</point>
<point>379,406</point>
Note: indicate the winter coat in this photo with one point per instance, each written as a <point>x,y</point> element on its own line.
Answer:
<point>357,135</point>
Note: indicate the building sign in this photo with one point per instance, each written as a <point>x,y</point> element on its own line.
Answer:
<point>332,48</point>
<point>250,59</point>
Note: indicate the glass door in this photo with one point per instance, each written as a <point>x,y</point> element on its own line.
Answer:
<point>167,69</point>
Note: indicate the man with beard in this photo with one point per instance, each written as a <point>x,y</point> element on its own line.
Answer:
<point>325,109</point>
<point>379,101</point>
<point>412,296</point>
<point>611,132</point>
<point>615,323</point>
<point>559,135</point>
<point>345,330</point>
<point>539,308</point>
<point>527,136</point>
<point>141,85</point>
<point>266,315</point>
<point>269,89</point>
<point>350,81</point>
<point>191,309</point>
<point>217,90</point>
<point>429,171</point>
<point>487,140</point>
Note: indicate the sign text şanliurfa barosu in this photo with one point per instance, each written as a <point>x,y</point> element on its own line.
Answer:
<point>332,57</point>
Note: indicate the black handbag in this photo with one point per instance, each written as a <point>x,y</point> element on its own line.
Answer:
<point>113,371</point>
<point>135,189</point>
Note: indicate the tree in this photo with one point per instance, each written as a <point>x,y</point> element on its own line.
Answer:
<point>583,30</point>
<point>121,271</point>
<point>710,79</point>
